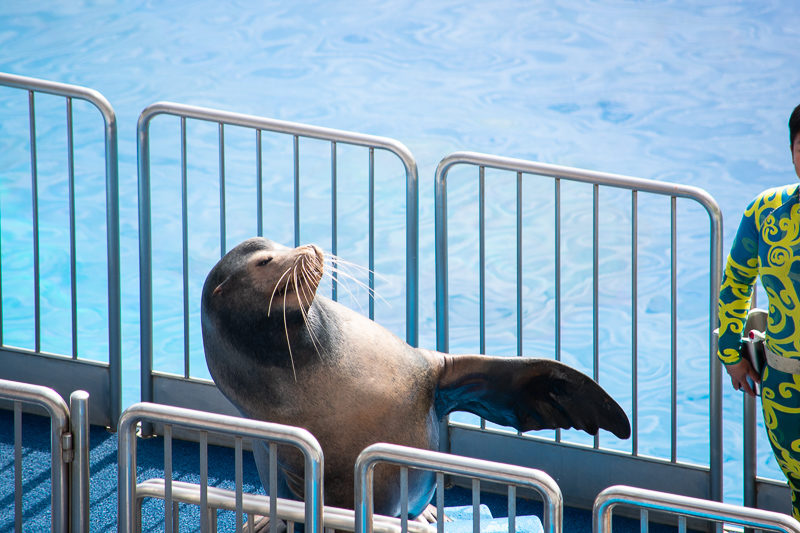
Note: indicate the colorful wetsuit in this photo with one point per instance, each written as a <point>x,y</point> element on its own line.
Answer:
<point>767,244</point>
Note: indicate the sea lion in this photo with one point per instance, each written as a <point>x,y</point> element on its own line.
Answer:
<point>282,353</point>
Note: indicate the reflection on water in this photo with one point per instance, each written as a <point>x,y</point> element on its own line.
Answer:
<point>689,92</point>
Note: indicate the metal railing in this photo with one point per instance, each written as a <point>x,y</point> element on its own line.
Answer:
<point>475,469</point>
<point>69,453</point>
<point>152,387</point>
<point>102,381</point>
<point>683,507</point>
<point>760,492</point>
<point>206,423</point>
<point>290,511</point>
<point>703,483</point>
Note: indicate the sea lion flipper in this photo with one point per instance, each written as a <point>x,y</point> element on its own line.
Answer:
<point>527,394</point>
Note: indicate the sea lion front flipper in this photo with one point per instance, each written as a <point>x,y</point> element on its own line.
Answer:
<point>527,394</point>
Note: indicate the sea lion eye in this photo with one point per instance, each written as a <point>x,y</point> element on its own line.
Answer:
<point>264,262</point>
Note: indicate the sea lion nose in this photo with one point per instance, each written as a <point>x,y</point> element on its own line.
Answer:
<point>315,250</point>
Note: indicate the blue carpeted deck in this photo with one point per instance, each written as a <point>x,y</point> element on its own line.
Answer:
<point>103,488</point>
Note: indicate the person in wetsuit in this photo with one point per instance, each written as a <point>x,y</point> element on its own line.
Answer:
<point>767,245</point>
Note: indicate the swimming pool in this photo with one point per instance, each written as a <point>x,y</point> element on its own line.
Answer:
<point>697,93</point>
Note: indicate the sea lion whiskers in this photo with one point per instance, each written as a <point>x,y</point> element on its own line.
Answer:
<point>340,260</point>
<point>301,289</point>
<point>286,329</point>
<point>337,263</point>
<point>333,268</point>
<point>278,284</point>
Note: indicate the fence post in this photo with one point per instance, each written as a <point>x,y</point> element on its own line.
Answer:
<point>79,482</point>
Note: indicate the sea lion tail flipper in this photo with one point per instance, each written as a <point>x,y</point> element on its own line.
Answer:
<point>527,394</point>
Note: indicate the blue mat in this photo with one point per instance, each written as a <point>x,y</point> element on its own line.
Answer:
<point>150,464</point>
<point>461,521</point>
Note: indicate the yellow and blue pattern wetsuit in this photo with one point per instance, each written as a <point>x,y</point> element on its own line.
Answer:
<point>767,244</point>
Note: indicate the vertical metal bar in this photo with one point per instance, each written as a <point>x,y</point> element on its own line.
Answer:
<point>222,217</point>
<point>634,323</point>
<point>412,252</point>
<point>596,291</point>
<point>371,232</point>
<point>681,524</point>
<point>557,231</point>
<point>519,269</point>
<point>113,266</point>
<point>512,508</point>
<point>440,502</point>
<point>239,483</point>
<point>145,265</point>
<point>204,481</point>
<point>476,506</point>
<point>79,478</point>
<point>185,248</point>
<point>519,264</point>
<point>59,472</point>
<point>168,503</point>
<point>442,319</point>
<point>334,222</point>
<point>482,262</point>
<point>482,258</point>
<point>404,499</point>
<point>126,474</point>
<point>18,467</point>
<point>296,190</point>
<point>314,487</point>
<point>749,466</point>
<point>644,521</point>
<point>715,367</point>
<point>35,217</point>
<point>72,251</point>
<point>364,500</point>
<point>273,487</point>
<point>1,282</point>
<point>674,329</point>
<point>259,188</point>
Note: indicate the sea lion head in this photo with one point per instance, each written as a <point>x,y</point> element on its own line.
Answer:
<point>257,306</point>
<point>262,276</point>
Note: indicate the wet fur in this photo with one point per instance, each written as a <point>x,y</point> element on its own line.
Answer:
<point>308,361</point>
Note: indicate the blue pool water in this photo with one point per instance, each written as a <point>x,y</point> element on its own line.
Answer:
<point>682,91</point>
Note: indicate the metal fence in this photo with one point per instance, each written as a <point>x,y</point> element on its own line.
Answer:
<point>683,507</point>
<point>69,454</point>
<point>608,467</point>
<point>66,373</point>
<point>211,423</point>
<point>465,467</point>
<point>290,511</point>
<point>164,387</point>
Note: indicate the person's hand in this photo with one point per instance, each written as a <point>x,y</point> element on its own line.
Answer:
<point>739,372</point>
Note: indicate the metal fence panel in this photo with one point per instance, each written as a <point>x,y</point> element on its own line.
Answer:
<point>66,373</point>
<point>521,170</point>
<point>156,384</point>
<point>206,423</point>
<point>682,507</point>
<point>61,448</point>
<point>445,464</point>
